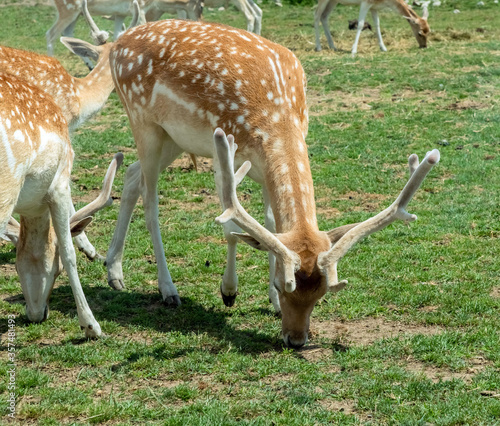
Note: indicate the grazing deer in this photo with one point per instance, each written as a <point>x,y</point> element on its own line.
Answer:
<point>419,26</point>
<point>78,98</point>
<point>36,165</point>
<point>184,79</point>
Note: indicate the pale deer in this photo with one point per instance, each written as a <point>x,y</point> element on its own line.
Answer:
<point>78,98</point>
<point>68,12</point>
<point>179,81</point>
<point>419,26</point>
<point>36,165</point>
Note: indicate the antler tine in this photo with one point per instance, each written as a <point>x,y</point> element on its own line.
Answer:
<point>413,163</point>
<point>136,15</point>
<point>327,261</point>
<point>225,149</point>
<point>103,199</point>
<point>11,232</point>
<point>425,10</point>
<point>99,36</point>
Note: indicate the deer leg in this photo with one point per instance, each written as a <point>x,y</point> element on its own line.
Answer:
<point>57,29</point>
<point>257,11</point>
<point>156,150</point>
<point>69,31</point>
<point>130,195</point>
<point>376,24</point>
<point>363,10</point>
<point>60,212</point>
<point>119,28</point>
<point>321,15</point>
<point>242,7</point>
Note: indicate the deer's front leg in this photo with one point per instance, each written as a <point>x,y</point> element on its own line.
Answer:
<point>130,195</point>
<point>363,10</point>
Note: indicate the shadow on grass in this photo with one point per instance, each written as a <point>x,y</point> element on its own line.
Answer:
<point>145,311</point>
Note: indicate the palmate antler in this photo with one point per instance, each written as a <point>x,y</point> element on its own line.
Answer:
<point>225,149</point>
<point>82,217</point>
<point>103,199</point>
<point>327,261</point>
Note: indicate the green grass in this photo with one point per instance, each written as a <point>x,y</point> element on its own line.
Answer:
<point>414,339</point>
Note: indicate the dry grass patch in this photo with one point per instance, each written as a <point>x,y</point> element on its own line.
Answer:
<point>320,103</point>
<point>495,292</point>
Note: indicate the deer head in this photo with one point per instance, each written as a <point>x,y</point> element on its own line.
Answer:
<point>306,270</point>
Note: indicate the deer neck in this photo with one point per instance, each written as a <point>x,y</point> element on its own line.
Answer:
<point>406,11</point>
<point>94,89</point>
<point>290,185</point>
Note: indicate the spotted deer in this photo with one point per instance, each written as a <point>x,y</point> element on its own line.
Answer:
<point>419,26</point>
<point>36,165</point>
<point>78,98</point>
<point>179,81</point>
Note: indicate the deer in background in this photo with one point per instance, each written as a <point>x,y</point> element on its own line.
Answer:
<point>182,81</point>
<point>419,26</point>
<point>78,98</point>
<point>36,165</point>
<point>68,12</point>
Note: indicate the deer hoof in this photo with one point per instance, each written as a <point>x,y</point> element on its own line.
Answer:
<point>92,331</point>
<point>172,301</point>
<point>228,300</point>
<point>116,284</point>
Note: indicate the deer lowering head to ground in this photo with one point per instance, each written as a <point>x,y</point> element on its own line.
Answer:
<point>419,26</point>
<point>179,81</point>
<point>36,161</point>
<point>78,98</point>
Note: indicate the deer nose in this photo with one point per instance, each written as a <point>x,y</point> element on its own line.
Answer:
<point>295,343</point>
<point>38,315</point>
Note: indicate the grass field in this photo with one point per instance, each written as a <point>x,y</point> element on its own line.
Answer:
<point>413,340</point>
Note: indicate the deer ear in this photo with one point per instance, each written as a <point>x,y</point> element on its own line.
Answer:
<point>78,227</point>
<point>251,241</point>
<point>82,48</point>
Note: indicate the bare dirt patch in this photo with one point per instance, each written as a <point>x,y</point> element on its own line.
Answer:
<point>466,104</point>
<point>320,103</point>
<point>346,406</point>
<point>436,374</point>
<point>185,162</point>
<point>367,331</point>
<point>495,292</point>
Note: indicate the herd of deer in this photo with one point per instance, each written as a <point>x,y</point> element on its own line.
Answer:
<point>184,84</point>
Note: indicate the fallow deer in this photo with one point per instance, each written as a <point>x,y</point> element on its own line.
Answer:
<point>68,12</point>
<point>179,81</point>
<point>36,161</point>
<point>419,26</point>
<point>78,98</point>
